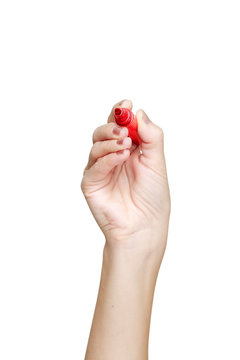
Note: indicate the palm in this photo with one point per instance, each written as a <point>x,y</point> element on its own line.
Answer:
<point>128,197</point>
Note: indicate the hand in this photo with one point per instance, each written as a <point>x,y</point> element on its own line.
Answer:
<point>127,191</point>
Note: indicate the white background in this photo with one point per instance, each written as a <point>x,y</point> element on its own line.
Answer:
<point>63,65</point>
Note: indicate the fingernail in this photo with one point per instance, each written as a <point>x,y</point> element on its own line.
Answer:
<point>116,130</point>
<point>120,142</point>
<point>124,131</point>
<point>146,118</point>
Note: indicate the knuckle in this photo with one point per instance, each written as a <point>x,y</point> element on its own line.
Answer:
<point>94,134</point>
<point>94,151</point>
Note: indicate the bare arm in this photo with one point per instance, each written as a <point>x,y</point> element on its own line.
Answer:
<point>131,204</point>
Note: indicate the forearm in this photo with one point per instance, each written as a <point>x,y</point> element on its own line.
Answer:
<point>127,192</point>
<point>121,321</point>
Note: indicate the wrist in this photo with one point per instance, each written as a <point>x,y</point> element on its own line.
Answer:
<point>146,246</point>
<point>135,252</point>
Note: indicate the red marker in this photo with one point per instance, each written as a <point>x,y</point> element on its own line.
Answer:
<point>125,117</point>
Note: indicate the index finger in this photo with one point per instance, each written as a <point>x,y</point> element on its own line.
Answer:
<point>123,103</point>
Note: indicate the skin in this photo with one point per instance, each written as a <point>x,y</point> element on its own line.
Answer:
<point>128,194</point>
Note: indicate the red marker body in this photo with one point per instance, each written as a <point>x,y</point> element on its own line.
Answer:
<point>125,117</point>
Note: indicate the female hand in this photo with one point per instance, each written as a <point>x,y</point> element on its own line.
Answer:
<point>127,190</point>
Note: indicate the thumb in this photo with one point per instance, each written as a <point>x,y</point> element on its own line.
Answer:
<point>151,139</point>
